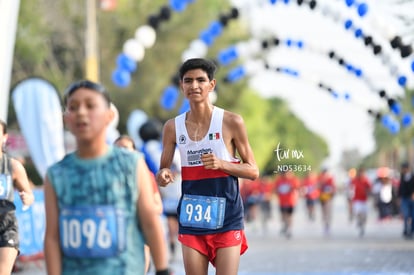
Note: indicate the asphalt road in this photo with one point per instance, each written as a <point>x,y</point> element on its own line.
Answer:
<point>382,250</point>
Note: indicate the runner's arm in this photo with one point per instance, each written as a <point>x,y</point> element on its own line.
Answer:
<point>164,175</point>
<point>22,182</point>
<point>52,249</point>
<point>149,217</point>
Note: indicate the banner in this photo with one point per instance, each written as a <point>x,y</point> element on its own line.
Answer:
<point>39,114</point>
<point>32,224</point>
<point>9,11</point>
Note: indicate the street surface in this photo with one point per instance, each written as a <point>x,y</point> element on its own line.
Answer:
<point>382,250</point>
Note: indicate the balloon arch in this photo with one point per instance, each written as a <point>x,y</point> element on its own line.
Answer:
<point>134,49</point>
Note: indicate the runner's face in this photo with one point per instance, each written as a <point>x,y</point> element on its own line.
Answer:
<point>196,84</point>
<point>87,114</point>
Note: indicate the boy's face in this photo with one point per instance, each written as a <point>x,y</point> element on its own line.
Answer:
<point>196,84</point>
<point>87,114</point>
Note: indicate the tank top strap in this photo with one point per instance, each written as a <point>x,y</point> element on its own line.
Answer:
<point>5,165</point>
<point>216,124</point>
<point>180,130</point>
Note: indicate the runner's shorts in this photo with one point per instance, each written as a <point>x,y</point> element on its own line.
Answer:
<point>208,244</point>
<point>9,236</point>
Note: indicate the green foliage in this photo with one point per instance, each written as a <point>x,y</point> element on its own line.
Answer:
<point>271,125</point>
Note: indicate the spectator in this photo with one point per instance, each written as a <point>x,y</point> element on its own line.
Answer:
<point>286,186</point>
<point>406,199</point>
<point>361,187</point>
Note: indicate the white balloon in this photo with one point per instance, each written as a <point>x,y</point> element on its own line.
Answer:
<point>253,67</point>
<point>325,9</point>
<point>238,3</point>
<point>188,54</point>
<point>135,120</point>
<point>146,36</point>
<point>199,47</point>
<point>134,50</point>
<point>242,50</point>
<point>312,78</point>
<point>212,96</point>
<point>254,46</point>
<point>112,133</point>
<point>115,120</point>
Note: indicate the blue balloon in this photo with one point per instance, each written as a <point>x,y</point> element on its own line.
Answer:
<point>294,73</point>
<point>290,72</point>
<point>402,81</point>
<point>126,63</point>
<point>347,96</point>
<point>206,37</point>
<point>169,97</point>
<point>394,127</point>
<point>396,108</point>
<point>236,74</point>
<point>362,9</point>
<point>412,66</point>
<point>223,58</point>
<point>273,2</point>
<point>335,94</point>
<point>216,28</point>
<point>348,24</point>
<point>289,42</point>
<point>286,1</point>
<point>358,72</point>
<point>226,56</point>
<point>300,44</point>
<point>185,106</point>
<point>406,120</point>
<point>121,77</point>
<point>349,3</point>
<point>358,33</point>
<point>178,5</point>
<point>350,68</point>
<point>386,120</point>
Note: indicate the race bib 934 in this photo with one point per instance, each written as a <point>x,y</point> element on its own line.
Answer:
<point>202,211</point>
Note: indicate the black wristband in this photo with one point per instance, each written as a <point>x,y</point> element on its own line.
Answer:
<point>163,272</point>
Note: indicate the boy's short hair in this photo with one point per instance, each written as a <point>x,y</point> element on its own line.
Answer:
<point>198,63</point>
<point>127,138</point>
<point>86,84</point>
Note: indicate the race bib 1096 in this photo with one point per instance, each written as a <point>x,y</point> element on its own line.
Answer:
<point>92,231</point>
<point>202,211</point>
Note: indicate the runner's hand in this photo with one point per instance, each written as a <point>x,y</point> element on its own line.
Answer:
<point>164,177</point>
<point>27,198</point>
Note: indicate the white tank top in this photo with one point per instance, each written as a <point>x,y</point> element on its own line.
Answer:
<point>191,150</point>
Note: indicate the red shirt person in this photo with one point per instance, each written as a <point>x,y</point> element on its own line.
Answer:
<point>361,187</point>
<point>311,192</point>
<point>286,185</point>
<point>327,188</point>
